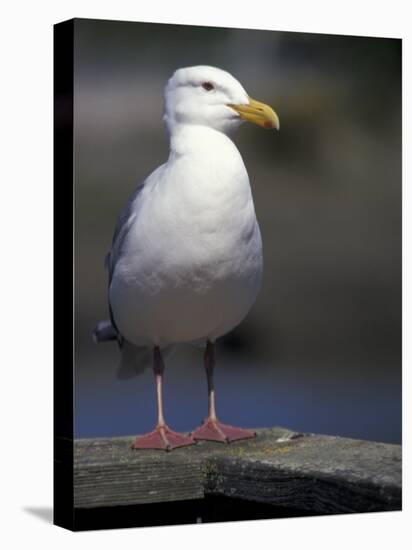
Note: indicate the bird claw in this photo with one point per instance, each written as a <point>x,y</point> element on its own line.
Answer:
<point>163,438</point>
<point>213,430</point>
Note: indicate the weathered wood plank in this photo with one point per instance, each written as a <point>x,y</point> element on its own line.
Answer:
<point>302,471</point>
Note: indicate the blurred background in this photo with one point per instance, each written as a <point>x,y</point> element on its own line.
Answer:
<point>321,349</point>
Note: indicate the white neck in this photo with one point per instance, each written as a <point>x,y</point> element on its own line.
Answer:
<point>216,167</point>
<point>192,139</point>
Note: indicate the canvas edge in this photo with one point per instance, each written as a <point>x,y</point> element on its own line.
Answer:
<point>63,295</point>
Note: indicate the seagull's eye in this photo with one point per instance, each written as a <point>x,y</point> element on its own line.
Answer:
<point>208,86</point>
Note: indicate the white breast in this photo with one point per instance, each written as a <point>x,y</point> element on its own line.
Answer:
<point>191,263</point>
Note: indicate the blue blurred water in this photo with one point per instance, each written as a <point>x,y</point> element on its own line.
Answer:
<point>313,398</point>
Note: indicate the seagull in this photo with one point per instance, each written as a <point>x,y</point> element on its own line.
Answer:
<point>186,258</point>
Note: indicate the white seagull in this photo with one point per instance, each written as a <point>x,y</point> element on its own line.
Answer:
<point>186,258</point>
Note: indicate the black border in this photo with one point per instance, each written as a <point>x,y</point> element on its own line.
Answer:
<point>63,514</point>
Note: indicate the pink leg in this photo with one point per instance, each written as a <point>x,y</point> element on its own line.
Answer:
<point>162,437</point>
<point>212,429</point>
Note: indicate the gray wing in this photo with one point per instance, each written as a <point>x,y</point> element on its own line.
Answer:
<point>124,222</point>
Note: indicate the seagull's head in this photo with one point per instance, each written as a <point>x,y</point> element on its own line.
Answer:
<point>207,96</point>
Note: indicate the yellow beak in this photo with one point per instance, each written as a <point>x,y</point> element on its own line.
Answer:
<point>258,113</point>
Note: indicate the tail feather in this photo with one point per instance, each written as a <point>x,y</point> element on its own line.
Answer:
<point>133,359</point>
<point>104,332</point>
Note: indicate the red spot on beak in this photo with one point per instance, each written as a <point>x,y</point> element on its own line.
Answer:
<point>268,124</point>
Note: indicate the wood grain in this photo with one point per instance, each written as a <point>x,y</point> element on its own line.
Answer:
<point>309,472</point>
